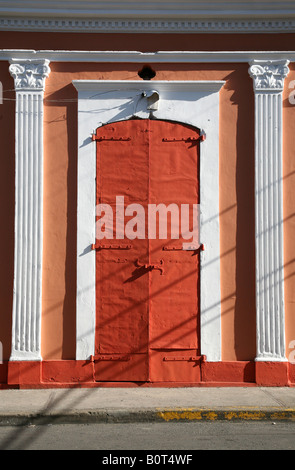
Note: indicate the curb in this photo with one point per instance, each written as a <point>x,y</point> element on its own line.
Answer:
<point>232,414</point>
<point>151,416</point>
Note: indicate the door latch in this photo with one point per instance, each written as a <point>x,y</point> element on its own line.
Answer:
<point>151,267</point>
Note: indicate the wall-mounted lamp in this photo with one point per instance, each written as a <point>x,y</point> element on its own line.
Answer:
<point>153,98</point>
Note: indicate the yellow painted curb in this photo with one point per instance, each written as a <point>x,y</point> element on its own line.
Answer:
<point>249,414</point>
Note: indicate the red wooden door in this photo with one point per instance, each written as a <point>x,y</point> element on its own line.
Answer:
<point>147,286</point>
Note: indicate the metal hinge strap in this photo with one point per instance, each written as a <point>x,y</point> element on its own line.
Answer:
<point>180,248</point>
<point>111,358</point>
<point>187,139</point>
<point>110,139</point>
<point>182,358</point>
<point>110,247</point>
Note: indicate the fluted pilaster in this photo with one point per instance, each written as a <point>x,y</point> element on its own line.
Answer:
<point>29,78</point>
<point>268,79</point>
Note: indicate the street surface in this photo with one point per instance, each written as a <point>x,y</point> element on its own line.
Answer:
<point>217,435</point>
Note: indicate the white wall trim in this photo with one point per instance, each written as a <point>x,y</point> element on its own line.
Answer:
<point>149,25</point>
<point>29,79</point>
<point>147,57</point>
<point>268,81</point>
<point>164,16</point>
<point>140,8</point>
<point>195,103</point>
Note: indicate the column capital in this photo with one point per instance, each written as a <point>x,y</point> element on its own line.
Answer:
<point>268,75</point>
<point>29,74</point>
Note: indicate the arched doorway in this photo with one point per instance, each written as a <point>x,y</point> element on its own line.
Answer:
<point>147,285</point>
<point>193,103</point>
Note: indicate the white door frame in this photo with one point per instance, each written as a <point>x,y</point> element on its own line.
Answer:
<point>190,102</point>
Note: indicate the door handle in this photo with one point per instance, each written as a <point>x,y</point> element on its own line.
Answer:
<point>151,267</point>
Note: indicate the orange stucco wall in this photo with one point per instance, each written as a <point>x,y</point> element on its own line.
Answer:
<point>289,208</point>
<point>60,180</point>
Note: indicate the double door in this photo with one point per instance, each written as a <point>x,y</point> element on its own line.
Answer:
<point>147,285</point>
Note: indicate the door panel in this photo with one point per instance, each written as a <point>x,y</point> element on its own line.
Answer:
<point>147,290</point>
<point>121,301</point>
<point>174,296</point>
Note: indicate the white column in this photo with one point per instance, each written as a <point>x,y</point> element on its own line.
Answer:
<point>29,79</point>
<point>268,79</point>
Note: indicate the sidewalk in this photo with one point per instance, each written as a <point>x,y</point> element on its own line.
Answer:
<point>144,404</point>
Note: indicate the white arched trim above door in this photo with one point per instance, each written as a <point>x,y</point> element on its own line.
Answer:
<point>190,102</point>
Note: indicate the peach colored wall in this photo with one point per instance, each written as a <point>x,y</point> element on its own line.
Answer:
<point>289,208</point>
<point>236,202</point>
<point>60,175</point>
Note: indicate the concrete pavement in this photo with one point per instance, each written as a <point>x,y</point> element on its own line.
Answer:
<point>18,407</point>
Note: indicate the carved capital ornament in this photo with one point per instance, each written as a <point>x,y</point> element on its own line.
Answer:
<point>29,74</point>
<point>268,74</point>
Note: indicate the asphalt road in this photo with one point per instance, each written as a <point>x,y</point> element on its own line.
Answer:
<point>147,436</point>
